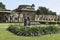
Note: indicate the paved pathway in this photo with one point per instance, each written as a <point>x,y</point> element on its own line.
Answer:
<point>4,27</point>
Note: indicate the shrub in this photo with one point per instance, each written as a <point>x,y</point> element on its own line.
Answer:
<point>13,29</point>
<point>58,22</point>
<point>34,31</point>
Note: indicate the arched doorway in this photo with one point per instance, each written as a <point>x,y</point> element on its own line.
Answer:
<point>21,18</point>
<point>3,16</point>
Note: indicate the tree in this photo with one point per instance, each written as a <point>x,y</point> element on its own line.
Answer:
<point>51,13</point>
<point>2,6</point>
<point>44,11</point>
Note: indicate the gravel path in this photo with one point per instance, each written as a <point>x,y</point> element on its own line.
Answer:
<point>4,27</point>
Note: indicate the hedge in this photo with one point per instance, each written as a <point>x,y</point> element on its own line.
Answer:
<point>46,21</point>
<point>34,31</point>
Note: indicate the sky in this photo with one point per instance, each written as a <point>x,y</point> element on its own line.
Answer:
<point>53,5</point>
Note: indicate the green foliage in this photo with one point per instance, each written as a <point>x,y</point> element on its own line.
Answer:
<point>6,35</point>
<point>58,22</point>
<point>34,31</point>
<point>46,21</point>
<point>52,13</point>
<point>14,29</point>
<point>44,11</point>
<point>51,22</point>
<point>2,6</point>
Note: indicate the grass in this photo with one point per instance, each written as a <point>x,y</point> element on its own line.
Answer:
<point>6,35</point>
<point>7,24</point>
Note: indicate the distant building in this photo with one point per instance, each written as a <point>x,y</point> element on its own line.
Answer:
<point>47,17</point>
<point>22,12</point>
<point>18,16</point>
<point>26,10</point>
<point>4,14</point>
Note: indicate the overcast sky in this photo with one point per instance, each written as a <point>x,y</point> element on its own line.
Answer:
<point>53,5</point>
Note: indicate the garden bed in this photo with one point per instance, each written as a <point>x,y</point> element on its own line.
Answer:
<point>33,31</point>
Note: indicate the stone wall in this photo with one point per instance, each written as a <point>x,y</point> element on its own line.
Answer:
<point>47,17</point>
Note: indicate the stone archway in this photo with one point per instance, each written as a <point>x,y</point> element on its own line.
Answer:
<point>3,17</point>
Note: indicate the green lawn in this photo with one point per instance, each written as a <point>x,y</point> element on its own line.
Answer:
<point>7,24</point>
<point>6,35</point>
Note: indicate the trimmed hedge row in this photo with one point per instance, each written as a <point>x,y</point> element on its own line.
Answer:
<point>46,21</point>
<point>34,31</point>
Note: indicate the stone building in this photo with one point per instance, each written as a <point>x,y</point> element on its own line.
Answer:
<point>4,14</point>
<point>20,13</point>
<point>47,17</point>
<point>26,11</point>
